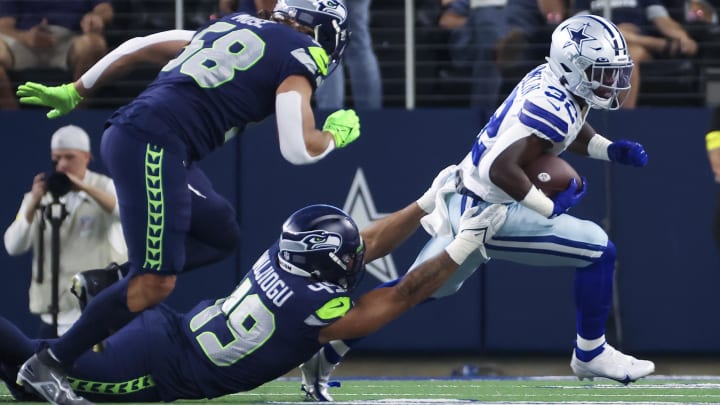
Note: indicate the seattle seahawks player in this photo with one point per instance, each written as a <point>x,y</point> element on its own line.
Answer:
<point>588,67</point>
<point>293,300</point>
<point>234,71</point>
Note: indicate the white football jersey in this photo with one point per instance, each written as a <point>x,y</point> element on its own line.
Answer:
<point>538,105</point>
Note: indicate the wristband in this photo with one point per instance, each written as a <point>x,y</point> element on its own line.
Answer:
<point>538,201</point>
<point>712,140</point>
<point>597,148</point>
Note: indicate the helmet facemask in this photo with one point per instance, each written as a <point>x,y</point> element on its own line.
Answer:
<point>333,39</point>
<point>607,86</point>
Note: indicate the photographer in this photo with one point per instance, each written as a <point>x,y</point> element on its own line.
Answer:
<point>89,235</point>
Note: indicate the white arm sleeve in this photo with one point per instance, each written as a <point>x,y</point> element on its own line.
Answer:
<point>288,113</point>
<point>131,45</point>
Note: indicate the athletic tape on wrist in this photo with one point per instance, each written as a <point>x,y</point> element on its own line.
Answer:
<point>459,249</point>
<point>538,201</point>
<point>598,147</point>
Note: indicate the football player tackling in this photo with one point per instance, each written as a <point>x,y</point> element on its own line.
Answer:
<point>234,71</point>
<point>294,299</point>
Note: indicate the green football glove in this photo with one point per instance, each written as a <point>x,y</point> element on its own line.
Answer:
<point>344,125</point>
<point>62,99</point>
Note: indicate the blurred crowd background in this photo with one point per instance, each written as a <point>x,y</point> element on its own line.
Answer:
<point>460,53</point>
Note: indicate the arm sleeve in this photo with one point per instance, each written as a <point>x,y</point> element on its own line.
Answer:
<point>288,111</point>
<point>18,236</point>
<point>134,44</point>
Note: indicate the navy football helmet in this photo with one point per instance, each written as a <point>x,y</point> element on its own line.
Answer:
<point>322,242</point>
<point>328,19</point>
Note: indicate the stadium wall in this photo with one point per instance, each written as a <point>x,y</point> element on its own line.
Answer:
<point>668,268</point>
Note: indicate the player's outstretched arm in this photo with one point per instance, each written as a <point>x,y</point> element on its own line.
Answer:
<point>155,49</point>
<point>300,141</point>
<point>380,306</point>
<point>386,234</point>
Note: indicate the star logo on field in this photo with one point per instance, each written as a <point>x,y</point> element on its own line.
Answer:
<point>360,206</point>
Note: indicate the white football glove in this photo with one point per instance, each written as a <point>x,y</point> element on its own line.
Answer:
<point>475,229</point>
<point>427,200</point>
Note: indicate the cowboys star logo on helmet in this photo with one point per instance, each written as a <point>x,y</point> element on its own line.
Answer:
<point>578,36</point>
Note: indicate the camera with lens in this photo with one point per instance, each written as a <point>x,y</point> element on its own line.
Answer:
<point>57,183</point>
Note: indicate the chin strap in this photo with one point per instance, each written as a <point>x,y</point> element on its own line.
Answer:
<point>292,269</point>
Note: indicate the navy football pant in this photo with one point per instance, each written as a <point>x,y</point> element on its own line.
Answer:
<point>166,205</point>
<point>146,361</point>
<point>160,212</point>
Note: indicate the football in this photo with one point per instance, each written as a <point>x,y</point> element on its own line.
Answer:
<point>551,174</point>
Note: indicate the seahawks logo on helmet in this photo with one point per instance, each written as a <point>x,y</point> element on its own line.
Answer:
<point>312,241</point>
<point>334,7</point>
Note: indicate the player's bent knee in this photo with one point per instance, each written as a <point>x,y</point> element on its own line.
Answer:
<point>609,253</point>
<point>148,290</point>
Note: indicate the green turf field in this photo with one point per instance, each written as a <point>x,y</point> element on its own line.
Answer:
<point>546,390</point>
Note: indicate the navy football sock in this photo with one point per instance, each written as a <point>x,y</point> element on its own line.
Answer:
<point>104,315</point>
<point>593,294</point>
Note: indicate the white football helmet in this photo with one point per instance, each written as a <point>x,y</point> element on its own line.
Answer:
<point>590,56</point>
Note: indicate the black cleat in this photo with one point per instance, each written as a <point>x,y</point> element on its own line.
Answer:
<point>87,284</point>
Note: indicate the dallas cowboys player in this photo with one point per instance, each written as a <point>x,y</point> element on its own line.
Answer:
<point>294,299</point>
<point>588,67</point>
<point>236,70</point>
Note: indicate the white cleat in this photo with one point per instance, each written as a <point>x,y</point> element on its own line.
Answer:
<point>315,378</point>
<point>612,364</point>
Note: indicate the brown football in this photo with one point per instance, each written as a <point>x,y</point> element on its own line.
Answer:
<point>551,174</point>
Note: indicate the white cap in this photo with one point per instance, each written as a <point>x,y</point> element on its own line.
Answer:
<point>70,137</point>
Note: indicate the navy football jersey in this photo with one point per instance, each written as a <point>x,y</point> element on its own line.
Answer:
<point>225,78</point>
<point>264,329</point>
